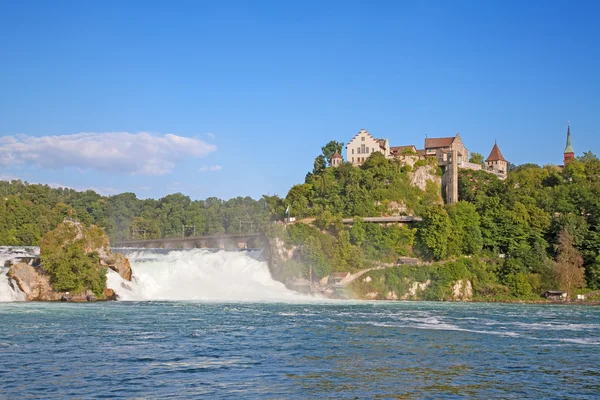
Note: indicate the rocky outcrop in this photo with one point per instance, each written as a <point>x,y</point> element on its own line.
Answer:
<point>110,294</point>
<point>421,175</point>
<point>414,289</point>
<point>462,290</point>
<point>120,264</point>
<point>35,284</point>
<point>278,253</point>
<point>391,295</point>
<point>94,239</point>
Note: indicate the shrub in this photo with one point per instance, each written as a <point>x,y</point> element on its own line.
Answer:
<point>70,267</point>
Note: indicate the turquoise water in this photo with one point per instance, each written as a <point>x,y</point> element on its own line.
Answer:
<point>157,350</point>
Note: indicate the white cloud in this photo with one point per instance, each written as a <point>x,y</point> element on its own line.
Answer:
<point>115,152</point>
<point>210,168</point>
<point>211,135</point>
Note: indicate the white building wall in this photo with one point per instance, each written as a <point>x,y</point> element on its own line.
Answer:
<point>362,146</point>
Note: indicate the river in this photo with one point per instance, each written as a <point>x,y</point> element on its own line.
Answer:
<point>188,349</point>
<point>206,324</point>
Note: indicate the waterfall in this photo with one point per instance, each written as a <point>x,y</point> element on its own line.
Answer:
<point>9,291</point>
<point>199,275</point>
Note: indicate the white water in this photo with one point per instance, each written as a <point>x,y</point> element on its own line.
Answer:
<point>9,291</point>
<point>178,275</point>
<point>199,275</point>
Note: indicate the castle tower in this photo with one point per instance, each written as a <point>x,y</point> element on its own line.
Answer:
<point>336,160</point>
<point>452,177</point>
<point>496,163</point>
<point>569,152</point>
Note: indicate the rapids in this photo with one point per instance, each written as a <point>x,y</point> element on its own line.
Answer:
<point>9,291</point>
<point>197,274</point>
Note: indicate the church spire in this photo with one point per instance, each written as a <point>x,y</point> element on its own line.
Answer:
<point>569,148</point>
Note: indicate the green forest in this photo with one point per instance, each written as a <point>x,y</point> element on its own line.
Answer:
<point>537,230</point>
<point>30,210</point>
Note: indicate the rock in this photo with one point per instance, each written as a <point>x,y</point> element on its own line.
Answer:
<point>90,297</point>
<point>33,282</point>
<point>421,175</point>
<point>110,294</point>
<point>66,297</point>
<point>414,289</point>
<point>120,264</point>
<point>277,255</point>
<point>391,296</point>
<point>462,290</point>
<point>395,208</point>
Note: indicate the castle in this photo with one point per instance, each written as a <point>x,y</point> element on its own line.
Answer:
<point>450,153</point>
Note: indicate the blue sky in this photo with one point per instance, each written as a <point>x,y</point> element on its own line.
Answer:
<point>235,98</point>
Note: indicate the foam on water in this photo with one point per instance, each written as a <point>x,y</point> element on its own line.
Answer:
<point>178,275</point>
<point>199,275</point>
<point>9,291</point>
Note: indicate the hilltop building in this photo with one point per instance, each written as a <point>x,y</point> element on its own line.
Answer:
<point>441,147</point>
<point>450,152</point>
<point>363,145</point>
<point>336,160</point>
<point>496,163</point>
<point>569,153</point>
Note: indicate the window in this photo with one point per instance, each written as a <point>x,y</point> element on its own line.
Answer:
<point>362,138</point>
<point>367,150</point>
<point>352,151</point>
<point>353,157</point>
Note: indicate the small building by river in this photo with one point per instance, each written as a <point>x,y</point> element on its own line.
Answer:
<point>556,295</point>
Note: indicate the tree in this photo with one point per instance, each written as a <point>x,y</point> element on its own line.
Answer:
<point>298,199</point>
<point>71,267</point>
<point>476,158</point>
<point>357,232</point>
<point>569,264</point>
<point>330,149</point>
<point>319,165</point>
<point>466,225</point>
<point>434,233</point>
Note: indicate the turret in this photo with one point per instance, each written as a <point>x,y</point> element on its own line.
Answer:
<point>569,152</point>
<point>496,163</point>
<point>336,160</point>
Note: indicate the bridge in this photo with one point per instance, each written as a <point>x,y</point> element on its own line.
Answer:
<point>226,242</point>
<point>242,240</point>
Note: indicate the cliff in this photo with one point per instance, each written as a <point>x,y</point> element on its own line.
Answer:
<point>279,256</point>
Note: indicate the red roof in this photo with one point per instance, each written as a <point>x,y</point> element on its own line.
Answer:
<point>434,143</point>
<point>336,155</point>
<point>496,154</point>
<point>381,143</point>
<point>397,150</point>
